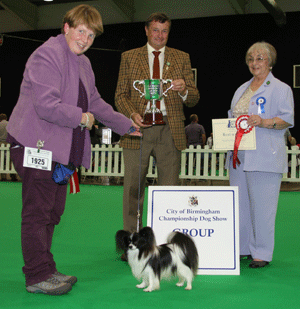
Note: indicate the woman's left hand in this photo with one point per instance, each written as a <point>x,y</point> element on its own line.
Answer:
<point>254,120</point>
<point>136,132</point>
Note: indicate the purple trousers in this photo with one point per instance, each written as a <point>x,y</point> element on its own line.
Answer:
<point>43,205</point>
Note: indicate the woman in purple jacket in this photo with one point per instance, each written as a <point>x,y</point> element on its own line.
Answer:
<point>58,102</point>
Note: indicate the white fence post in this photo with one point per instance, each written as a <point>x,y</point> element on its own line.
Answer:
<point>6,167</point>
<point>196,163</point>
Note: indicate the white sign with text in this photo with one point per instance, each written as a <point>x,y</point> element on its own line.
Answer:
<point>208,214</point>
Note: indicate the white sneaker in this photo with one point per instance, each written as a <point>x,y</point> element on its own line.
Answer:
<point>64,278</point>
<point>51,286</point>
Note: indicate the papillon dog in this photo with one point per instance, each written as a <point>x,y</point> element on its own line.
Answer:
<point>151,263</point>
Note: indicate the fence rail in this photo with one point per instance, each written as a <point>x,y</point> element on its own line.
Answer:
<point>196,163</point>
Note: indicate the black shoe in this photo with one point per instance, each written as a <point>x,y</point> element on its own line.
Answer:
<point>258,264</point>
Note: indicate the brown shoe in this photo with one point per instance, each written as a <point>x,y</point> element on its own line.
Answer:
<point>64,278</point>
<point>124,257</point>
<point>51,286</point>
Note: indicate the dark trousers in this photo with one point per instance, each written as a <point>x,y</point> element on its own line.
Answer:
<point>43,205</point>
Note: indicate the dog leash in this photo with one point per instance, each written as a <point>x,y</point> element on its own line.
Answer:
<point>139,189</point>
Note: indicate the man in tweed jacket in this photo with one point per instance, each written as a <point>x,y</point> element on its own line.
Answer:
<point>163,142</point>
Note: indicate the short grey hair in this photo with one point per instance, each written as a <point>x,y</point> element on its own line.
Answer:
<point>266,47</point>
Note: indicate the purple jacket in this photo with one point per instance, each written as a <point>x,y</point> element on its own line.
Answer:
<point>47,106</point>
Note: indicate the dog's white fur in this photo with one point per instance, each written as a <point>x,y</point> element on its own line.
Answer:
<point>151,263</point>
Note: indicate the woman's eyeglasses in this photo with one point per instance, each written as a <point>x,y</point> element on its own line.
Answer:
<point>259,60</point>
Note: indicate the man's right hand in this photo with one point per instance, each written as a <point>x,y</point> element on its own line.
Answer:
<point>138,119</point>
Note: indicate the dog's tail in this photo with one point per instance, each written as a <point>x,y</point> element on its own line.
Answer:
<point>188,248</point>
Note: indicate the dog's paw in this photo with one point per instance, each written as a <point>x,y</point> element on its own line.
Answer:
<point>148,289</point>
<point>180,283</point>
<point>141,286</point>
<point>151,288</point>
<point>188,287</point>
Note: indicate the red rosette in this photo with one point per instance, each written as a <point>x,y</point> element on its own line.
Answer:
<point>242,128</point>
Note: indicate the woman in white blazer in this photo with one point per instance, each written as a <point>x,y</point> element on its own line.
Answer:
<point>270,105</point>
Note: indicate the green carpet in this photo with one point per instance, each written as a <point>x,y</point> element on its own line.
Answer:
<point>84,246</point>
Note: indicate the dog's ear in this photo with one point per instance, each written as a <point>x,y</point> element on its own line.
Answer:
<point>146,240</point>
<point>122,240</point>
<point>147,233</point>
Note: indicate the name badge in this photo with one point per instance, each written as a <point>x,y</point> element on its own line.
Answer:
<point>37,158</point>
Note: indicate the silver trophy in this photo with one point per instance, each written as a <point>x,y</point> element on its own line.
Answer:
<point>153,92</point>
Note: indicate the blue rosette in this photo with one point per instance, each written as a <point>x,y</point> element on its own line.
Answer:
<point>261,101</point>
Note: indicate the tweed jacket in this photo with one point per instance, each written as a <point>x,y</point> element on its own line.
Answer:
<point>47,106</point>
<point>135,66</point>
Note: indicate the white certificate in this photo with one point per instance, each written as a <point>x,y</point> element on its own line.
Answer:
<point>224,131</point>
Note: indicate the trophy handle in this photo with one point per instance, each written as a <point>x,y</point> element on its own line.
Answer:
<point>141,82</point>
<point>165,81</point>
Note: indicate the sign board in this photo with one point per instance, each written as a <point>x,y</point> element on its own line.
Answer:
<point>208,214</point>
<point>106,136</point>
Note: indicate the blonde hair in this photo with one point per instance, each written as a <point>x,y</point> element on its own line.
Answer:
<point>268,48</point>
<point>84,14</point>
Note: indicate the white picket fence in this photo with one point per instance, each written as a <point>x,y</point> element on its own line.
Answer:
<point>196,163</point>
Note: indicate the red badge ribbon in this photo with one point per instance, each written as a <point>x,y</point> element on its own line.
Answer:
<point>74,183</point>
<point>242,128</point>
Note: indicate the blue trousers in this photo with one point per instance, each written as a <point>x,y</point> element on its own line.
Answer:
<point>258,200</point>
